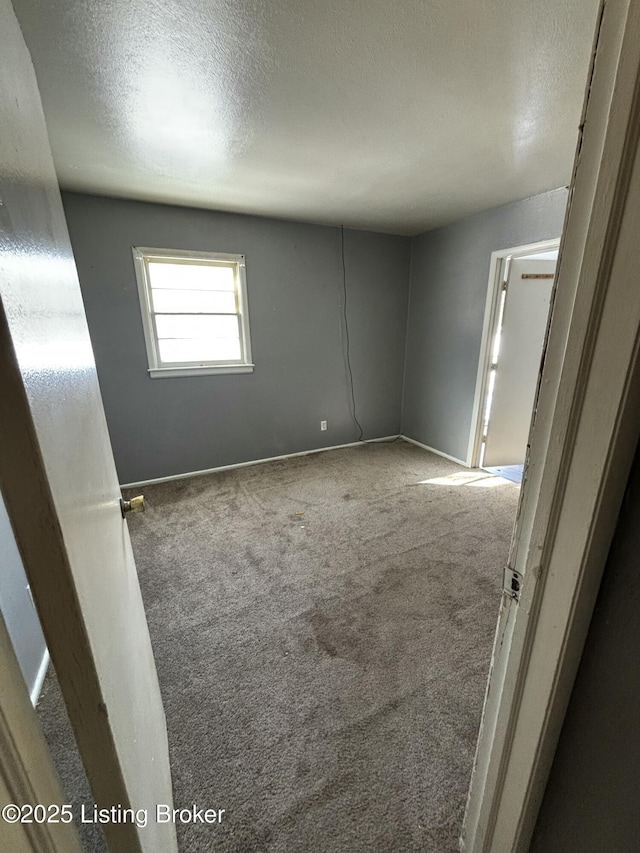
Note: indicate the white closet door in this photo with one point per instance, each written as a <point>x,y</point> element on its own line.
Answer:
<point>524,326</point>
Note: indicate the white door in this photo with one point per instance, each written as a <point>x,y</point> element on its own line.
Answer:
<point>59,482</point>
<point>524,325</point>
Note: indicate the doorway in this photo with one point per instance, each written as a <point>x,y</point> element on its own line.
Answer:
<point>515,325</point>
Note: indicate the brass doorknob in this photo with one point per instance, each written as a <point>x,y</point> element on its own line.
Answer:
<point>134,505</point>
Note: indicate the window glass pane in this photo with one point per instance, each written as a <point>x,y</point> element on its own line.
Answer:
<point>197,326</point>
<point>210,349</point>
<point>173,301</point>
<point>191,276</point>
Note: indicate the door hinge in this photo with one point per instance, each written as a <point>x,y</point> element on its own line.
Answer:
<point>512,582</point>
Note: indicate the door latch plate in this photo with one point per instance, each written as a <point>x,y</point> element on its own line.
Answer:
<point>512,582</point>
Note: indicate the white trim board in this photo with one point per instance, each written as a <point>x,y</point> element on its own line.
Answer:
<point>585,432</point>
<point>488,333</point>
<point>36,690</point>
<point>251,462</point>
<point>433,450</point>
<point>28,773</point>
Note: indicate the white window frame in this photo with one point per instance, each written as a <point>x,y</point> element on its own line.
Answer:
<point>159,369</point>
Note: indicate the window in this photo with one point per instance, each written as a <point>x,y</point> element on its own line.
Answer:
<point>194,312</point>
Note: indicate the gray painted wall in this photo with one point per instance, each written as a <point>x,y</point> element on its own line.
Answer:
<point>170,426</point>
<point>17,607</point>
<point>449,276</point>
<point>591,801</point>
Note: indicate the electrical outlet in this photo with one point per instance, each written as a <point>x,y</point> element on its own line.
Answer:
<point>323,425</point>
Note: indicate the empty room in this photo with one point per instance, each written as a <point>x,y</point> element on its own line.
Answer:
<point>291,297</point>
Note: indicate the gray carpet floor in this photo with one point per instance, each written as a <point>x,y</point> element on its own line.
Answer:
<point>322,629</point>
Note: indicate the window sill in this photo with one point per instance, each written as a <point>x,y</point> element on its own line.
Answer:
<point>209,370</point>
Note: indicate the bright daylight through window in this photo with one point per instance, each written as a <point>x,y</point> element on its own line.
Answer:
<point>194,312</point>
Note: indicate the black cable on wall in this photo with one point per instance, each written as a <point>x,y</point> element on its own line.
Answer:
<point>346,330</point>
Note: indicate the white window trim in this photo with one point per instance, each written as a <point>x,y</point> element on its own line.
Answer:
<point>159,370</point>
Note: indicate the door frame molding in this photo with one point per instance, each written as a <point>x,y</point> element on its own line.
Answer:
<point>27,772</point>
<point>584,434</point>
<point>489,329</point>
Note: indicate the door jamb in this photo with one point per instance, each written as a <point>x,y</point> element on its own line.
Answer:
<point>27,772</point>
<point>489,329</point>
<point>585,431</point>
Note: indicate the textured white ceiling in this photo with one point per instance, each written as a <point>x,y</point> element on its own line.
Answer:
<point>395,116</point>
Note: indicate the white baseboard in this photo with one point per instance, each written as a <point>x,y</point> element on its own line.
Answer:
<point>433,450</point>
<point>36,690</point>
<point>189,474</point>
